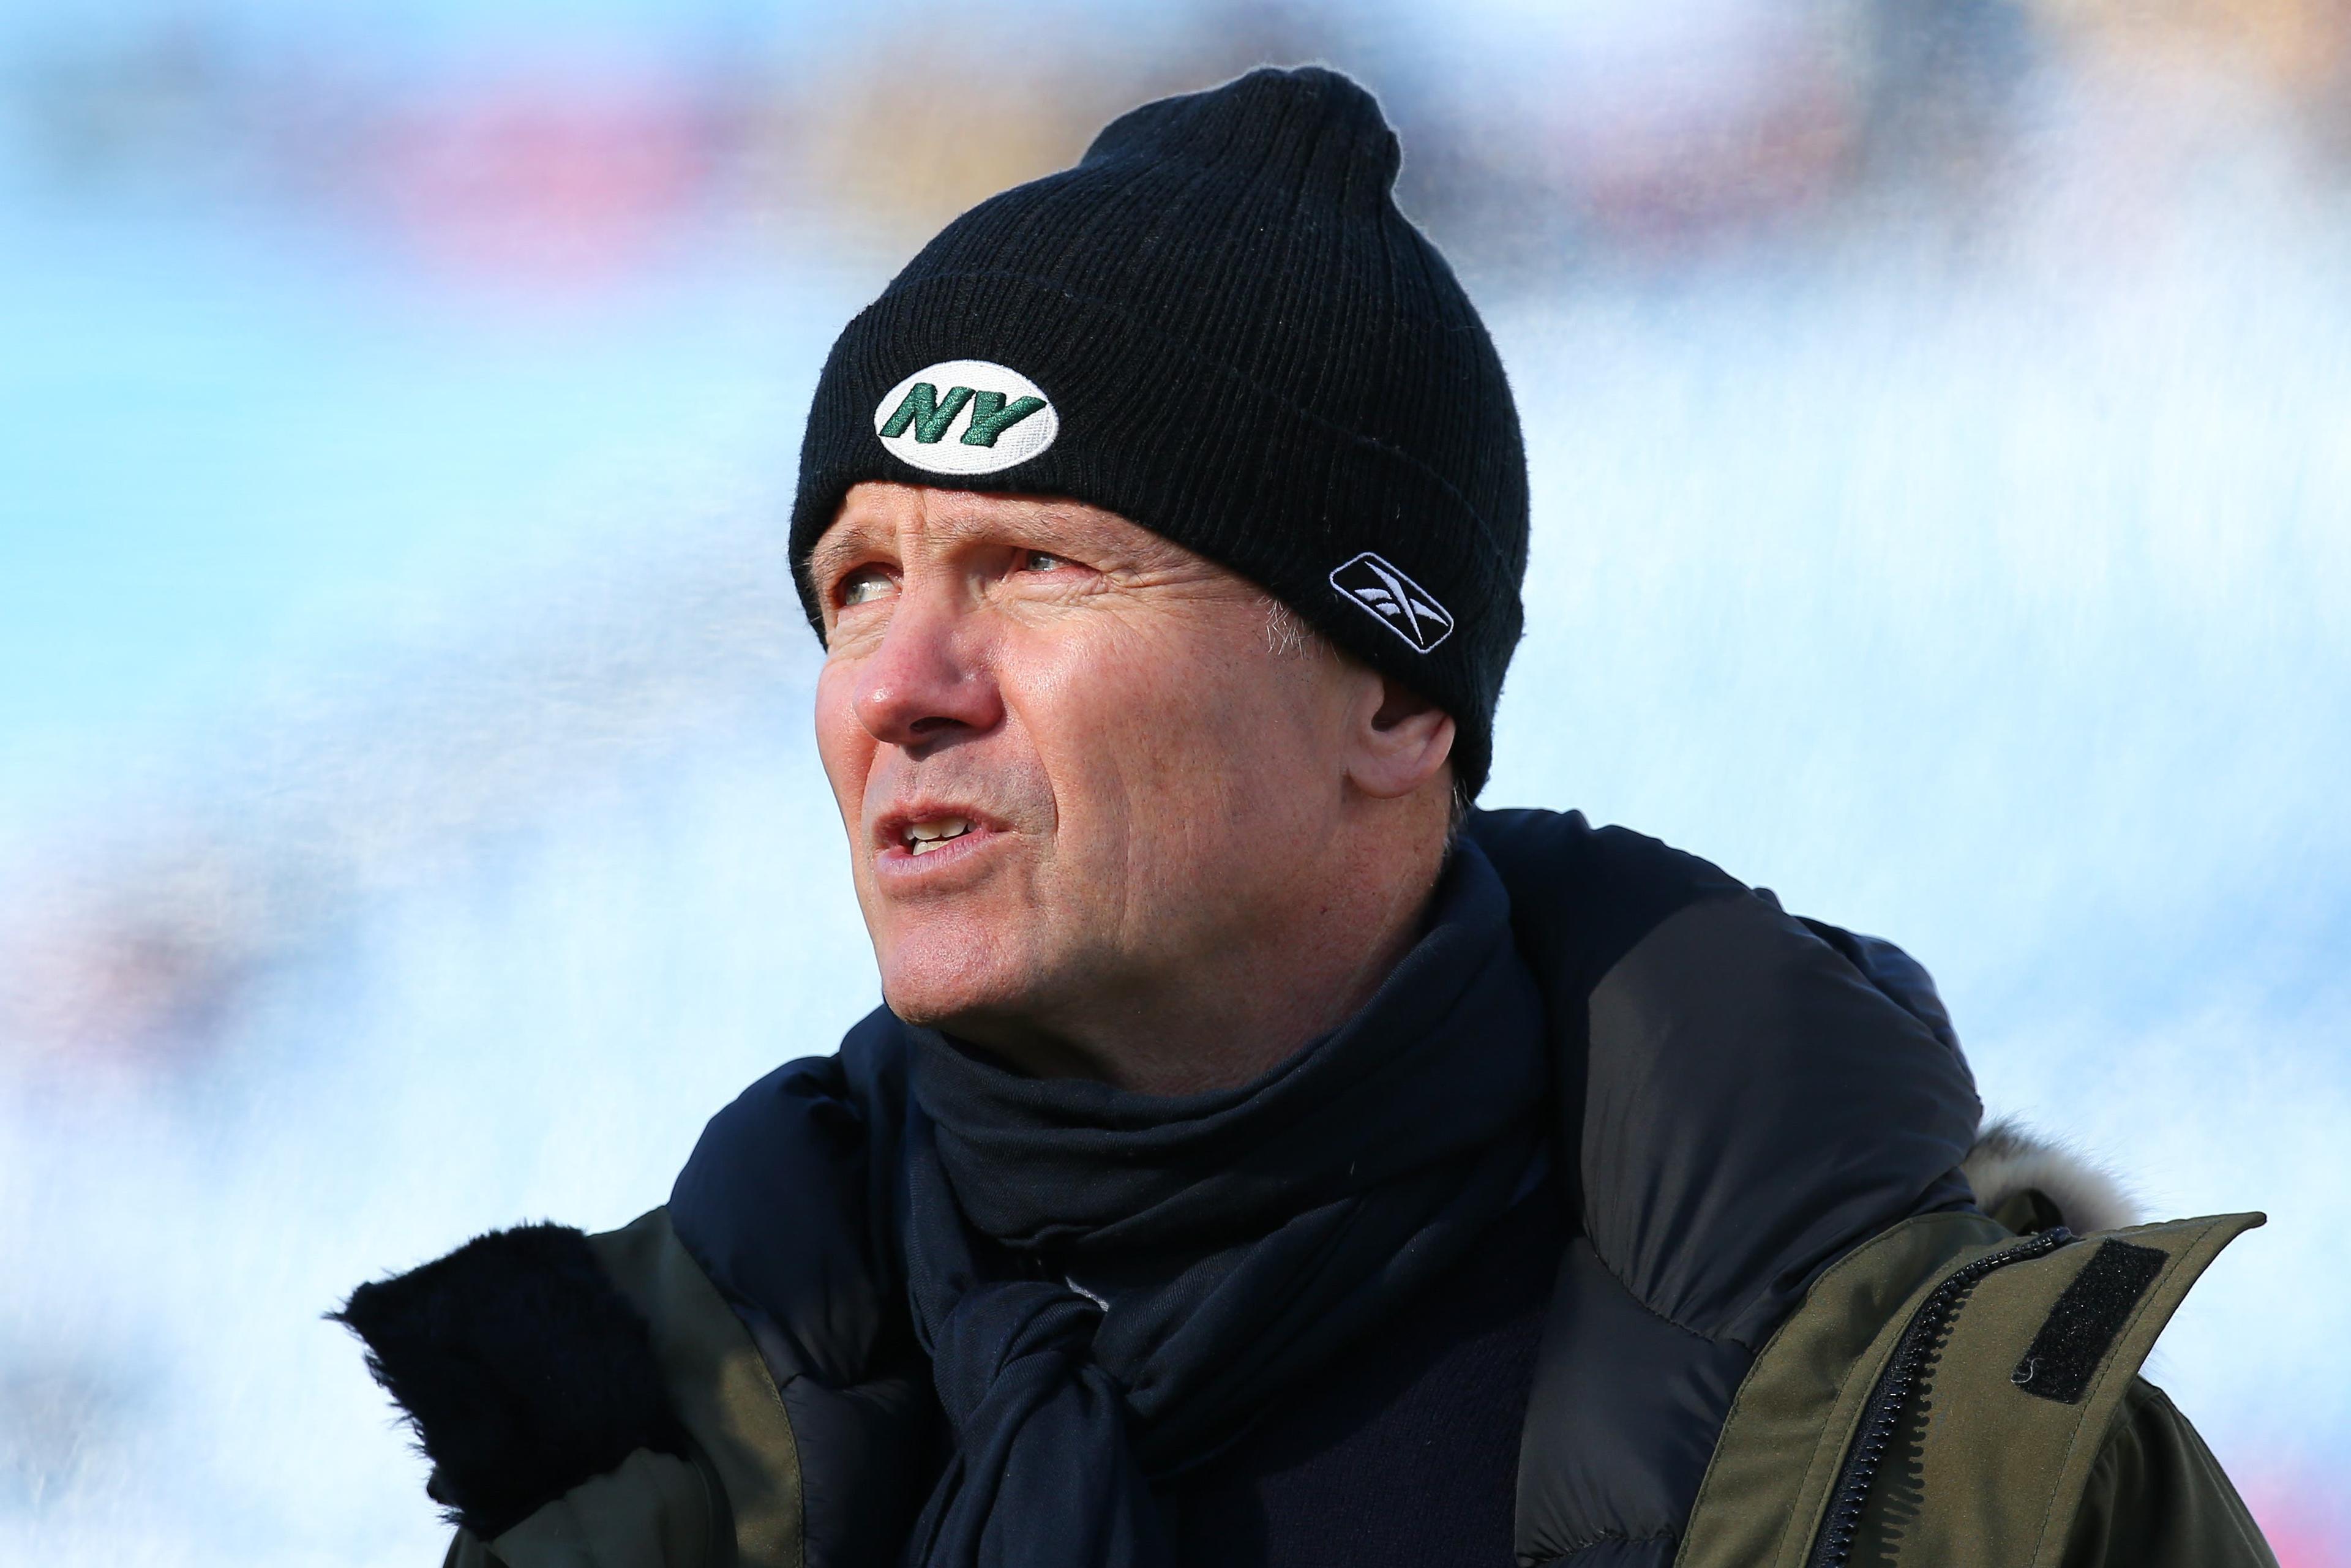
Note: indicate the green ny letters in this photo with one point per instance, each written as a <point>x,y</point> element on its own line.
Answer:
<point>928,414</point>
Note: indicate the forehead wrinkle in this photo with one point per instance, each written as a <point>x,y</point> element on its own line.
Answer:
<point>962,517</point>
<point>935,522</point>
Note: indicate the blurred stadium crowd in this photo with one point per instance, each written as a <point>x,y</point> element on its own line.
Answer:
<point>534,158</point>
<point>248,914</point>
<point>1540,137</point>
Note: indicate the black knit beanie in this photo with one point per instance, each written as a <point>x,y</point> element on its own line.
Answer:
<point>1218,326</point>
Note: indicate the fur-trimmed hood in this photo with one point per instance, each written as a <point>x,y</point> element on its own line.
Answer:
<point>2029,1182</point>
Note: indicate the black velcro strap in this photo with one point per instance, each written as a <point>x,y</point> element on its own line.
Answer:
<point>2081,1328</point>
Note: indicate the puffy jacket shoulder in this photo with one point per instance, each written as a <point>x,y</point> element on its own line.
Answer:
<point>791,1206</point>
<point>1743,1099</point>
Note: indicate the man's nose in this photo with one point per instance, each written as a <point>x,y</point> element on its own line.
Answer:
<point>930,679</point>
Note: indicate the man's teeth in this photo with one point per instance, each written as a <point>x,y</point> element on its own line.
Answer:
<point>924,837</point>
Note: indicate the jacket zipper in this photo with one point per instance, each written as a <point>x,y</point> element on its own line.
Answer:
<point>1895,1387</point>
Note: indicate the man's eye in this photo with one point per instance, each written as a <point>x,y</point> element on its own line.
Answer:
<point>1038,560</point>
<point>863,586</point>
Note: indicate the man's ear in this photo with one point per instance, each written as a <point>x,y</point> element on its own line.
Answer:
<point>1401,741</point>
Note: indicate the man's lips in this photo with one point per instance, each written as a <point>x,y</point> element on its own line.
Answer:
<point>932,846</point>
<point>930,826</point>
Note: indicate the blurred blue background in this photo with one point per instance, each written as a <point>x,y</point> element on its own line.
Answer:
<point>1939,415</point>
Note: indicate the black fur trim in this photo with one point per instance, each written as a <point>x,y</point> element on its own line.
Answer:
<point>522,1368</point>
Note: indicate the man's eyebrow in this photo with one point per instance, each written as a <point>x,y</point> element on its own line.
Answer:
<point>836,550</point>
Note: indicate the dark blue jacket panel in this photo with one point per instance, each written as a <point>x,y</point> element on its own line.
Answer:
<point>788,1204</point>
<point>1741,1104</point>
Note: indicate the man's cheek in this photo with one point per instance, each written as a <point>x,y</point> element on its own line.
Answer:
<point>845,752</point>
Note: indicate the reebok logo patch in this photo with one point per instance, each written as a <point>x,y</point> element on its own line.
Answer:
<point>1395,600</point>
<point>965,416</point>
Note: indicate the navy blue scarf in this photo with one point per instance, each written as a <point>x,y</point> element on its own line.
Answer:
<point>1111,1286</point>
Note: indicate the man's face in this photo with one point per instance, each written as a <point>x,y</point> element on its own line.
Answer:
<point>1073,767</point>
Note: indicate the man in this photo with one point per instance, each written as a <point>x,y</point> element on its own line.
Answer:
<point>1262,1158</point>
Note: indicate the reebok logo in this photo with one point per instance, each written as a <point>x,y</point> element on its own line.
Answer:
<point>965,416</point>
<point>1395,600</point>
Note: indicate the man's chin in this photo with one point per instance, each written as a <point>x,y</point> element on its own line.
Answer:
<point>991,1007</point>
<point>953,992</point>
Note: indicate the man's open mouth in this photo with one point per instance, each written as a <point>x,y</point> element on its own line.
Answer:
<point>921,838</point>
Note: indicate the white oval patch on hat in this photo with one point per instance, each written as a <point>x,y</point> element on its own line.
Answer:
<point>967,416</point>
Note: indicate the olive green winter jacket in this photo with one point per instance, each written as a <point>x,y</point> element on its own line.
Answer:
<point>1949,1395</point>
<point>1779,1338</point>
